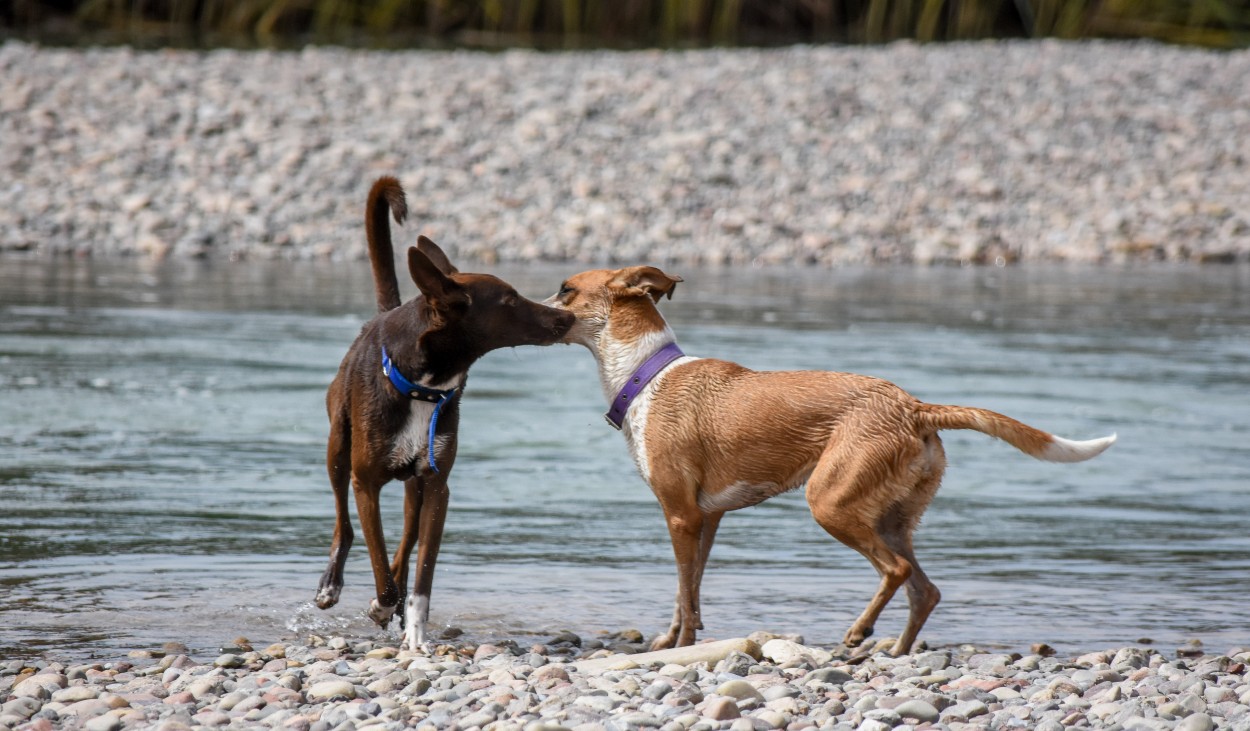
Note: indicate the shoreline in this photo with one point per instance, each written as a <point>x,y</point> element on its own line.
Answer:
<point>995,152</point>
<point>758,683</point>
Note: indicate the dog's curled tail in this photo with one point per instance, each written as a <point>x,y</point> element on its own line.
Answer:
<point>1033,442</point>
<point>386,196</point>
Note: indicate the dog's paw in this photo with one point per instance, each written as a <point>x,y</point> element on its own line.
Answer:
<point>381,615</point>
<point>855,637</point>
<point>662,642</point>
<point>327,597</point>
<point>415,639</point>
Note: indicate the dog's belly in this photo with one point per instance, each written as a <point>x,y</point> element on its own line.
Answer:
<point>744,494</point>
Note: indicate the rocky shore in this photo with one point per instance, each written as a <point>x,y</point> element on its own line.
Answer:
<point>979,152</point>
<point>610,684</point>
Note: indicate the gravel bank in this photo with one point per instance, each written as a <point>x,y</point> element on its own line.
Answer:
<point>769,683</point>
<point>986,152</point>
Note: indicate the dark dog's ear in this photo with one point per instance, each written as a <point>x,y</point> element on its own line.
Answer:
<point>650,281</point>
<point>436,255</point>
<point>440,290</point>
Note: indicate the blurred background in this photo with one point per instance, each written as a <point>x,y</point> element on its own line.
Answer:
<point>618,23</point>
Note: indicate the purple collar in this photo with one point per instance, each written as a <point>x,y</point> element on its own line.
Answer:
<point>645,373</point>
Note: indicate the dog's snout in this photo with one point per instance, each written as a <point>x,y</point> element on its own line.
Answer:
<point>563,322</point>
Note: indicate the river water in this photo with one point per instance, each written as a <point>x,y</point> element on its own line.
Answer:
<point>162,437</point>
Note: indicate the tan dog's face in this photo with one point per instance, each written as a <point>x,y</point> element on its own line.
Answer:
<point>622,300</point>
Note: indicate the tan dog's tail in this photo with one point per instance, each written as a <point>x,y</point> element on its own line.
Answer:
<point>385,196</point>
<point>1033,442</point>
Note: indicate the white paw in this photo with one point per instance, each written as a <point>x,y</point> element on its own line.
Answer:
<point>380,614</point>
<point>416,613</point>
<point>328,597</point>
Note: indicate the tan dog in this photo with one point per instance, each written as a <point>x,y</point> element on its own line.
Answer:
<point>710,436</point>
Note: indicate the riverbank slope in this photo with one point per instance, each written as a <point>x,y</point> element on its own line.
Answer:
<point>990,152</point>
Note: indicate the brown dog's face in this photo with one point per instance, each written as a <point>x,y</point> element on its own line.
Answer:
<point>498,317</point>
<point>482,311</point>
<point>623,299</point>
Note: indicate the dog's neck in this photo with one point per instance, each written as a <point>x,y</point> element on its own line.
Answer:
<point>412,349</point>
<point>620,357</point>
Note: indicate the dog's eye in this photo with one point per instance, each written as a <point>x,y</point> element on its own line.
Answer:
<point>565,290</point>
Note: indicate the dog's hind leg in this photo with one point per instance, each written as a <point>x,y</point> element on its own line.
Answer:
<point>381,608</point>
<point>849,494</point>
<point>922,595</point>
<point>433,513</point>
<point>339,466</point>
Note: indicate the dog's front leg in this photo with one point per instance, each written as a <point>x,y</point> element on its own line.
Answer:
<point>707,536</point>
<point>685,526</point>
<point>433,513</point>
<point>381,608</point>
<point>412,509</point>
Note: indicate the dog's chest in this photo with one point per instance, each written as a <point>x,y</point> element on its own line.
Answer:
<point>410,442</point>
<point>635,427</point>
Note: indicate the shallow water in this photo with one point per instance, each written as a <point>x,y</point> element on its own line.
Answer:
<point>162,433</point>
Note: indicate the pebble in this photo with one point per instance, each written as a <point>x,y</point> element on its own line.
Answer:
<point>720,709</point>
<point>508,689</point>
<point>988,152</point>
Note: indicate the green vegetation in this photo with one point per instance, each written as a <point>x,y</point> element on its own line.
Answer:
<point>583,23</point>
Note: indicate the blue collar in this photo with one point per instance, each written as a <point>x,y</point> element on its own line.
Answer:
<point>417,392</point>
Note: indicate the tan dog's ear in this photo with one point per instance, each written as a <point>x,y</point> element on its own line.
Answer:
<point>439,289</point>
<point>436,255</point>
<point>650,281</point>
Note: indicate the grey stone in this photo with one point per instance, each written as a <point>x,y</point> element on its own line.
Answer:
<point>833,676</point>
<point>918,710</point>
<point>936,660</point>
<point>740,690</point>
<point>721,709</point>
<point>1196,722</point>
<point>22,707</point>
<point>638,719</point>
<point>328,690</point>
<point>106,722</point>
<point>775,692</point>
<point>884,715</point>
<point>657,690</point>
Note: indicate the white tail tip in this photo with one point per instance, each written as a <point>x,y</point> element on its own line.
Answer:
<point>1067,450</point>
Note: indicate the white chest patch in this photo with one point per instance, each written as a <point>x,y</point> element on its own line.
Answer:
<point>635,426</point>
<point>410,442</point>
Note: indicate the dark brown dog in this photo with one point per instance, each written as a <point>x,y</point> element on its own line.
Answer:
<point>398,389</point>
